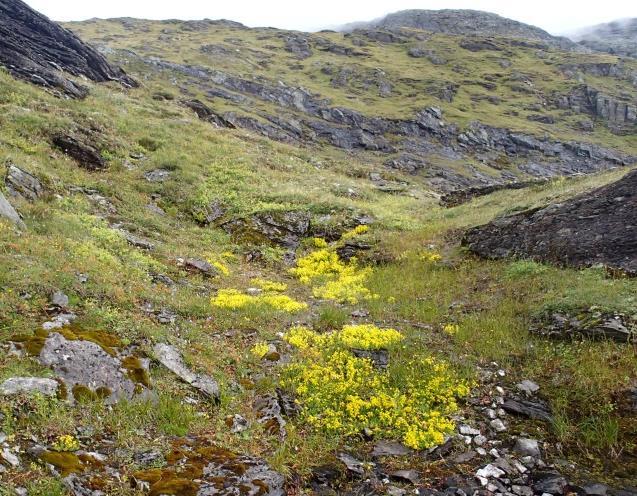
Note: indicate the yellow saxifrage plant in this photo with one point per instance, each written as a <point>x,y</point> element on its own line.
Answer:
<point>331,277</point>
<point>66,443</point>
<point>344,394</point>
<point>232,299</point>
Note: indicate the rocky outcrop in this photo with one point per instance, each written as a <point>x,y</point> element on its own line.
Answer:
<point>599,227</point>
<point>587,323</point>
<point>284,229</point>
<point>86,155</point>
<point>619,114</point>
<point>40,51</point>
<point>22,184</point>
<point>468,22</point>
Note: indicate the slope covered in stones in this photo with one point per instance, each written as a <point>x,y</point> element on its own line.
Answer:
<point>198,295</point>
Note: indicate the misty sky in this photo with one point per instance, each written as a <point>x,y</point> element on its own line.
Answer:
<point>556,16</point>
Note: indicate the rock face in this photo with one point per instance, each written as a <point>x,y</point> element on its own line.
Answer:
<point>21,183</point>
<point>599,227</point>
<point>468,22</point>
<point>30,385</point>
<point>279,228</point>
<point>617,37</point>
<point>86,155</point>
<point>38,50</point>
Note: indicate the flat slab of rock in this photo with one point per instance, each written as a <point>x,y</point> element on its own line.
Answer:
<point>170,358</point>
<point>589,324</point>
<point>599,227</point>
<point>8,212</point>
<point>531,409</point>
<point>29,385</point>
<point>86,155</point>
<point>84,363</point>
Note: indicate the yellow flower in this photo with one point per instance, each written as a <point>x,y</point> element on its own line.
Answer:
<point>270,286</point>
<point>66,443</point>
<point>260,349</point>
<point>451,329</point>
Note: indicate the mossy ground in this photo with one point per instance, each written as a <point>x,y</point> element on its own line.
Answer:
<point>491,302</point>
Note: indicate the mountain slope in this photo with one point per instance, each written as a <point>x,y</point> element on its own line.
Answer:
<point>618,37</point>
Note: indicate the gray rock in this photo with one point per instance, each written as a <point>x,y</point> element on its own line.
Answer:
<point>527,447</point>
<point>549,482</point>
<point>23,184</point>
<point>170,358</point>
<point>466,430</point>
<point>201,266</point>
<point>138,241</point>
<point>83,363</point>
<point>410,476</point>
<point>595,489</point>
<point>9,458</point>
<point>8,212</point>
<point>528,387</point>
<point>157,175</point>
<point>59,300</point>
<point>390,448</point>
<point>275,228</point>
<point>352,464</point>
<point>237,424</point>
<point>497,425</point>
<point>18,385</point>
<point>86,155</point>
<point>490,471</point>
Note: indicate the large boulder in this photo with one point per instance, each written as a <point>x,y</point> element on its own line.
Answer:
<point>284,229</point>
<point>38,50</point>
<point>599,227</point>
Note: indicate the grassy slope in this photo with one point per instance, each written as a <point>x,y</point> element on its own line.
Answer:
<point>66,236</point>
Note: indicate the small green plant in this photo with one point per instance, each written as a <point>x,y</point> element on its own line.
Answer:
<point>524,268</point>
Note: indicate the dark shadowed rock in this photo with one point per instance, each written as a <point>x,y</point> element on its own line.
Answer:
<point>205,113</point>
<point>527,408</point>
<point>21,183</point>
<point>599,227</point>
<point>86,155</point>
<point>38,50</point>
<point>299,45</point>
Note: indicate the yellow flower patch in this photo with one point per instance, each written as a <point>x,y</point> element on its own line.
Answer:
<point>343,394</point>
<point>232,299</point>
<point>66,443</point>
<point>260,349</point>
<point>269,286</point>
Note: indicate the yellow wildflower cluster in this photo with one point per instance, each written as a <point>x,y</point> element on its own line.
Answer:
<point>66,443</point>
<point>260,349</point>
<point>232,299</point>
<point>222,268</point>
<point>451,329</point>
<point>362,337</point>
<point>270,286</point>
<point>344,394</point>
<point>332,278</point>
<point>357,231</point>
<point>430,256</point>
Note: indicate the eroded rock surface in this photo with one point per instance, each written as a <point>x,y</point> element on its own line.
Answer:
<point>599,227</point>
<point>38,50</point>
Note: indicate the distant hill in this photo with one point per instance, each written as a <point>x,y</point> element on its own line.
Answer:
<point>463,22</point>
<point>617,37</point>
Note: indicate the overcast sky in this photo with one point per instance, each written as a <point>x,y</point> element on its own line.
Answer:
<point>556,16</point>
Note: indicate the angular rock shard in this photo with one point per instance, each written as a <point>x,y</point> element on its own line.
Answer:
<point>170,358</point>
<point>8,212</point>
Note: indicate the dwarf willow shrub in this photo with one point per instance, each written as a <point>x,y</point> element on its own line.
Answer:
<point>331,277</point>
<point>344,394</point>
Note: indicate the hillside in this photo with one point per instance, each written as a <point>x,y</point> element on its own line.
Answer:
<point>618,37</point>
<point>234,264</point>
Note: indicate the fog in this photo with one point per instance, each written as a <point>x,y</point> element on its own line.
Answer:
<point>557,17</point>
